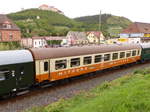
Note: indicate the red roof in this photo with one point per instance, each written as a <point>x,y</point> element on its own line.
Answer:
<point>138,27</point>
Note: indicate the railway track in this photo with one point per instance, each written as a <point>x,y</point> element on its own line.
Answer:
<point>65,89</point>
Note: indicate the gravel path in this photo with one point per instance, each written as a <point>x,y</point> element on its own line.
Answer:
<point>53,94</point>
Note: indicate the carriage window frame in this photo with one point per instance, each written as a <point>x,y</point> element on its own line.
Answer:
<point>128,54</point>
<point>98,58</point>
<point>74,62</point>
<point>114,56</point>
<point>107,58</point>
<point>63,61</point>
<point>138,52</point>
<point>45,66</point>
<point>134,52</point>
<point>122,55</point>
<point>87,60</point>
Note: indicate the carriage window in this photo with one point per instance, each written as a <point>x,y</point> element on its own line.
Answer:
<point>122,54</point>
<point>87,60</point>
<point>133,52</point>
<point>115,56</point>
<point>98,58</point>
<point>45,66</point>
<point>128,54</point>
<point>75,62</point>
<point>138,52</point>
<point>106,57</point>
<point>4,74</point>
<point>60,64</point>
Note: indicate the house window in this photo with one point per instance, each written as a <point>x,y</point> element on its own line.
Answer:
<point>75,62</point>
<point>115,56</point>
<point>98,58</point>
<point>10,35</point>
<point>9,26</point>
<point>122,54</point>
<point>133,52</point>
<point>45,66</point>
<point>0,35</point>
<point>87,60</point>
<point>106,57</point>
<point>60,64</point>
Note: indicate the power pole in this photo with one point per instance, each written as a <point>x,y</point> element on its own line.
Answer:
<point>99,26</point>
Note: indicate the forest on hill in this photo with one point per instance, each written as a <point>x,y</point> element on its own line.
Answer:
<point>35,22</point>
<point>111,25</point>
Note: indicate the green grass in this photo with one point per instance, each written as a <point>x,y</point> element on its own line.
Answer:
<point>130,93</point>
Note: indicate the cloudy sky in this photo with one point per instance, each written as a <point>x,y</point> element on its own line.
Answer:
<point>136,10</point>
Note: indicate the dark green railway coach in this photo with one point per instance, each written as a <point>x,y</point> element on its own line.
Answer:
<point>16,71</point>
<point>145,54</point>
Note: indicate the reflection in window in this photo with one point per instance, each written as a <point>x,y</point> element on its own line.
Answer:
<point>106,57</point>
<point>133,52</point>
<point>60,64</point>
<point>75,62</point>
<point>4,74</point>
<point>128,54</point>
<point>122,54</point>
<point>115,56</point>
<point>87,60</point>
<point>98,58</point>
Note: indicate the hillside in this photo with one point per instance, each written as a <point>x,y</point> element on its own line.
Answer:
<point>110,24</point>
<point>35,22</point>
<point>38,22</point>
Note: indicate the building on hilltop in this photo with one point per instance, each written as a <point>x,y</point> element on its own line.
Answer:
<point>137,32</point>
<point>50,8</point>
<point>9,32</point>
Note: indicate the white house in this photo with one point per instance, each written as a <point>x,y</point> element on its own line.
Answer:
<point>38,42</point>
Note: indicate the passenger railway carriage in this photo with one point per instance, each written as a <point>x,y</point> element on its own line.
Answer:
<point>16,71</point>
<point>53,64</point>
<point>21,69</point>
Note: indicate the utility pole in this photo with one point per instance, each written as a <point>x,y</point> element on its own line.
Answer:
<point>99,27</point>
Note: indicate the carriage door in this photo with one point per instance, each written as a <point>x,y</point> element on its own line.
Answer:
<point>21,76</point>
<point>44,70</point>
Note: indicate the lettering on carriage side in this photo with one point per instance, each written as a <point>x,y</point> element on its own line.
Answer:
<point>73,71</point>
<point>60,73</point>
<point>92,67</point>
<point>69,71</point>
<point>85,68</point>
<point>77,70</point>
<point>81,69</point>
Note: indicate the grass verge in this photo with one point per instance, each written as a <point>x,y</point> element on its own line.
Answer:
<point>130,93</point>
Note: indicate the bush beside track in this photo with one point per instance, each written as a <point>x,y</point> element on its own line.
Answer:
<point>126,94</point>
